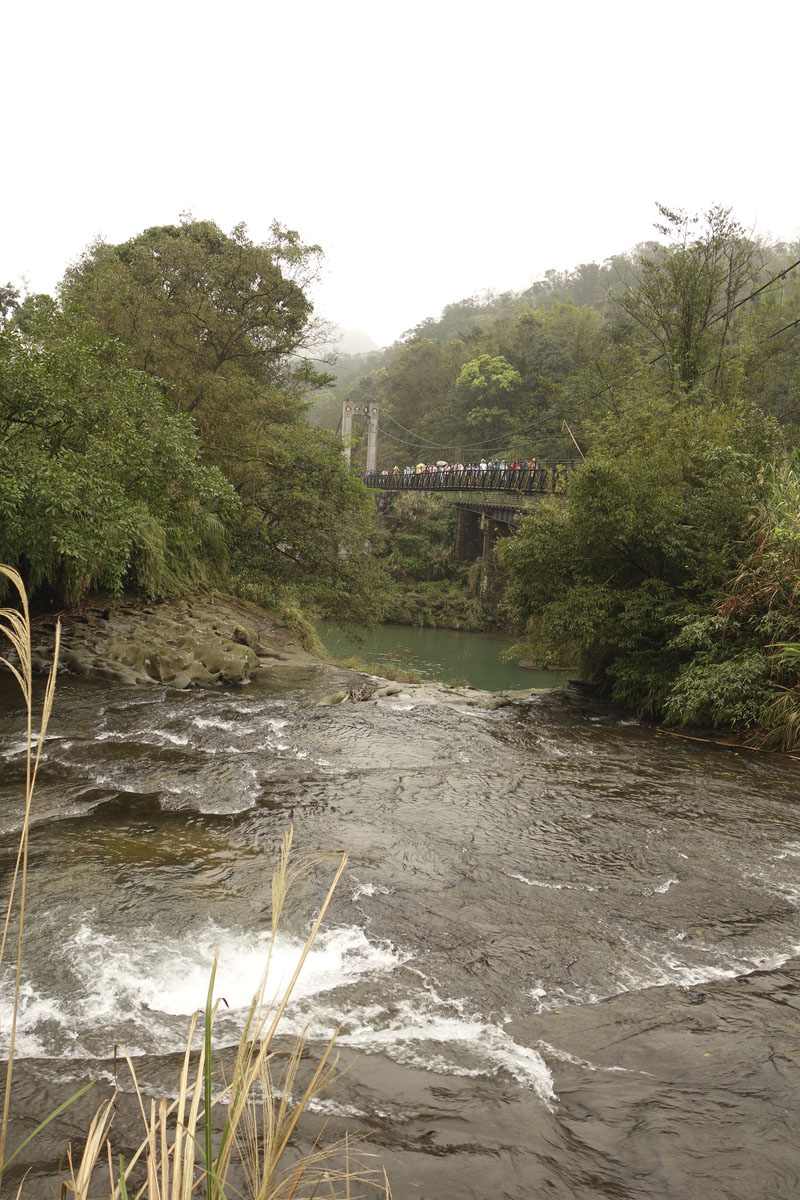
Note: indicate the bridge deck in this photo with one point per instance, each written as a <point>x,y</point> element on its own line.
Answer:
<point>547,478</point>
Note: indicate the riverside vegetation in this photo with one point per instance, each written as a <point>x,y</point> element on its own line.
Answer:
<point>225,1129</point>
<point>670,576</point>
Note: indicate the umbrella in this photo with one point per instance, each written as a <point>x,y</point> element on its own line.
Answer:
<point>441,463</point>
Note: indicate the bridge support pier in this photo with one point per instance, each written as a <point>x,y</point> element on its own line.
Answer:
<point>469,538</point>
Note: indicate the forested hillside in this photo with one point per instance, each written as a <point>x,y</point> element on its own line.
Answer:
<point>500,374</point>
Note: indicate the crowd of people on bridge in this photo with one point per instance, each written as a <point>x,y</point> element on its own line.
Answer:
<point>483,465</point>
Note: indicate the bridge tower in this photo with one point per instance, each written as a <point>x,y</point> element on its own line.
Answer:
<point>370,411</point>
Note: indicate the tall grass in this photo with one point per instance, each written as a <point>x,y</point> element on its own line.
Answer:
<point>16,626</point>
<point>217,1134</point>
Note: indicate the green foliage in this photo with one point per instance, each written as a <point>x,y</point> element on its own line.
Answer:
<point>420,537</point>
<point>102,484</point>
<point>431,589</point>
<point>686,291</point>
<point>642,551</point>
<point>763,599</point>
<point>307,531</point>
<point>225,325</point>
<point>727,693</point>
<point>207,312</point>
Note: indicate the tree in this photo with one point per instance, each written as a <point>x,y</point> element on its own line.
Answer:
<point>102,483</point>
<point>215,316</point>
<point>488,384</point>
<point>632,569</point>
<point>225,326</point>
<point>308,530</point>
<point>686,291</point>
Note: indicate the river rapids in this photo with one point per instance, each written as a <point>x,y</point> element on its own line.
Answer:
<point>562,959</point>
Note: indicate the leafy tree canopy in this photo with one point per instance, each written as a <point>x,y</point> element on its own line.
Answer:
<point>214,315</point>
<point>226,327</point>
<point>645,545</point>
<point>102,483</point>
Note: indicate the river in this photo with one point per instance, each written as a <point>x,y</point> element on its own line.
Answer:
<point>447,655</point>
<point>563,958</point>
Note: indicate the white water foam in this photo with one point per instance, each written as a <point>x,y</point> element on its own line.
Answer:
<point>37,1016</point>
<point>565,1056</point>
<point>559,887</point>
<point>370,889</point>
<point>436,1035</point>
<point>147,985</point>
<point>664,887</point>
<point>226,726</point>
<point>171,975</point>
<point>145,737</point>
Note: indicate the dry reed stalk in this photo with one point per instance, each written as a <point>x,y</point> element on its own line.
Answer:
<point>98,1132</point>
<point>261,1118</point>
<point>16,626</point>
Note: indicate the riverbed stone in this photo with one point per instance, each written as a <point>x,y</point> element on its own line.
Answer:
<point>164,664</point>
<point>211,641</point>
<point>244,635</point>
<point>232,663</point>
<point>199,675</point>
<point>75,660</point>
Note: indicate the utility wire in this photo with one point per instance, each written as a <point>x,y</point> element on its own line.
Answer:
<point>485,452</point>
<point>738,303</point>
<point>791,325</point>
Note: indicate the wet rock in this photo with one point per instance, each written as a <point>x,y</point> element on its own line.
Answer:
<point>76,661</point>
<point>198,675</point>
<point>269,652</point>
<point>118,673</point>
<point>232,663</point>
<point>334,698</point>
<point>164,664</point>
<point>197,644</point>
<point>244,635</point>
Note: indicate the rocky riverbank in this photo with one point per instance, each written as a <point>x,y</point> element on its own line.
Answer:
<point>194,642</point>
<point>208,641</point>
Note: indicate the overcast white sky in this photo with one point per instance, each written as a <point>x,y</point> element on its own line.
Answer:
<point>433,149</point>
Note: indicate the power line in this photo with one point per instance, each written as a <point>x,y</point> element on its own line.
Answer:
<point>791,325</point>
<point>738,303</point>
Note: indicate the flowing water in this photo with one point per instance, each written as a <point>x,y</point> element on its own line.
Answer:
<point>562,958</point>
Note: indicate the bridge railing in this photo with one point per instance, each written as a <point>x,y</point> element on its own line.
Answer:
<point>545,478</point>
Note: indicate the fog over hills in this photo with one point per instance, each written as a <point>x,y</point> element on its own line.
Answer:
<point>354,341</point>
